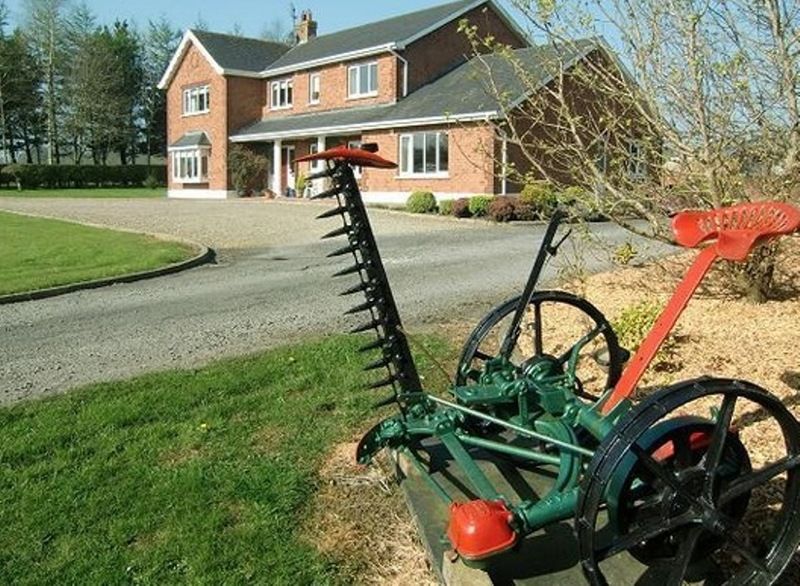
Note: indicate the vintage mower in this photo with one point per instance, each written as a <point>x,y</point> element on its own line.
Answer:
<point>667,480</point>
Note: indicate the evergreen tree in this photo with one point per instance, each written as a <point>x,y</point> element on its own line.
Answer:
<point>159,43</point>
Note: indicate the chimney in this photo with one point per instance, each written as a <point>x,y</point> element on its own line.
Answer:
<point>305,29</point>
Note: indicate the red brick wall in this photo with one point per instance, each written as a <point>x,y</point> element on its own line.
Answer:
<point>195,70</point>
<point>470,168</point>
<point>245,101</point>
<point>333,88</point>
<point>445,48</point>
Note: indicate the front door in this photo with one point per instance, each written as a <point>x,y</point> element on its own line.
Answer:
<point>287,169</point>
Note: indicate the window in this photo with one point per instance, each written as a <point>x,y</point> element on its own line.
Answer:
<point>313,88</point>
<point>196,100</point>
<point>637,160</point>
<point>190,166</point>
<point>355,144</point>
<point>424,153</point>
<point>362,80</point>
<point>313,149</point>
<point>281,94</point>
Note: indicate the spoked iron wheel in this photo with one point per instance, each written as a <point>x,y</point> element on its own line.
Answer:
<point>686,495</point>
<point>575,317</point>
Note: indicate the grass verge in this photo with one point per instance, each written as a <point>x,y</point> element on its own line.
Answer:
<point>36,253</point>
<point>92,192</point>
<point>200,476</point>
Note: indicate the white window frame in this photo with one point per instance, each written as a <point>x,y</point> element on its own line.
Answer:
<point>637,160</point>
<point>312,77</point>
<point>281,94</point>
<point>406,154</point>
<point>313,149</point>
<point>190,165</point>
<point>196,100</point>
<point>355,73</point>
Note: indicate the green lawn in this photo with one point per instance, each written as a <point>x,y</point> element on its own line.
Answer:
<point>37,253</point>
<point>99,192</point>
<point>185,477</point>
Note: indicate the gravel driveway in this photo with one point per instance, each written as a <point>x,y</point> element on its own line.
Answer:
<point>271,286</point>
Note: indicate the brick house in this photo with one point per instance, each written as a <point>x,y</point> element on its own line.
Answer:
<point>406,83</point>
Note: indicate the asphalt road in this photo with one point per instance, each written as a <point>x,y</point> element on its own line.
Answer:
<point>259,297</point>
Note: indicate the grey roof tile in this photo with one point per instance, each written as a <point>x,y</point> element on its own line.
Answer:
<point>396,29</point>
<point>232,52</point>
<point>464,90</point>
<point>192,139</point>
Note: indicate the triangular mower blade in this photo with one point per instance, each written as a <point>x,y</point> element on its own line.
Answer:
<point>328,193</point>
<point>379,343</point>
<point>382,383</point>
<point>359,308</point>
<point>350,270</point>
<point>338,232</point>
<point>342,251</point>
<point>384,402</point>
<point>365,327</point>
<point>360,288</point>
<point>340,211</point>
<point>382,363</point>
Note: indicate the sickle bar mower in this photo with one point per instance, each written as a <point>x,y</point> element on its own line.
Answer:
<point>654,480</point>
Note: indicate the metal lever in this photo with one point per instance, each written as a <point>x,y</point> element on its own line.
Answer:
<point>553,248</point>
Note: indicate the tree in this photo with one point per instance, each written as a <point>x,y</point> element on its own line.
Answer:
<point>46,31</point>
<point>159,43</point>
<point>80,28</point>
<point>126,50</point>
<point>697,107</point>
<point>20,97</point>
<point>279,30</point>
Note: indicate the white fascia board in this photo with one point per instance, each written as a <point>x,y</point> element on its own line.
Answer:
<point>242,73</point>
<point>201,147</point>
<point>349,56</point>
<point>188,38</point>
<point>424,32</point>
<point>357,128</point>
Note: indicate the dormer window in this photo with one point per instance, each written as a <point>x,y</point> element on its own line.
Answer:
<point>281,94</point>
<point>196,100</point>
<point>313,88</point>
<point>362,80</point>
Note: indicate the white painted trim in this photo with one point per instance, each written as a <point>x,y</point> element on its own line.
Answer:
<point>405,71</point>
<point>348,56</point>
<point>333,130</point>
<point>243,73</point>
<point>188,37</point>
<point>200,194</point>
<point>424,32</point>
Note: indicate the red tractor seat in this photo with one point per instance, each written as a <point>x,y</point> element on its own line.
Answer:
<point>359,157</point>
<point>737,228</point>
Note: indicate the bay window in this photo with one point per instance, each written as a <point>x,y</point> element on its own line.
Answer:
<point>362,80</point>
<point>196,100</point>
<point>190,165</point>
<point>281,94</point>
<point>424,154</point>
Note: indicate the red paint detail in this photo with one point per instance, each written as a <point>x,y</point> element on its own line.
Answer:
<point>699,440</point>
<point>737,230</point>
<point>353,156</point>
<point>479,529</point>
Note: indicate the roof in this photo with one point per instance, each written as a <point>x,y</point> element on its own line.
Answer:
<point>461,95</point>
<point>240,53</point>
<point>231,55</point>
<point>385,32</point>
<point>190,140</point>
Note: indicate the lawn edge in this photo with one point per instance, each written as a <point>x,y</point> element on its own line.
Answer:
<point>204,256</point>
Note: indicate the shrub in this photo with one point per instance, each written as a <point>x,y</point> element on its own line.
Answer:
<point>247,169</point>
<point>446,207</point>
<point>524,211</point>
<point>421,202</point>
<point>541,195</point>
<point>151,181</point>
<point>501,209</point>
<point>67,176</point>
<point>479,205</point>
<point>633,323</point>
<point>624,253</point>
<point>461,208</point>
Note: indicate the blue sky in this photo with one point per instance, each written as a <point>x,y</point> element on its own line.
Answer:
<point>250,15</point>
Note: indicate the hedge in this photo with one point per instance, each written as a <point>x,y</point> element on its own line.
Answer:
<point>66,176</point>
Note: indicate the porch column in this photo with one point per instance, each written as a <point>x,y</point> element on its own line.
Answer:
<point>277,165</point>
<point>320,144</point>
<point>504,162</point>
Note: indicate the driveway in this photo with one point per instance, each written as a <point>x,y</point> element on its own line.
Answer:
<point>271,286</point>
